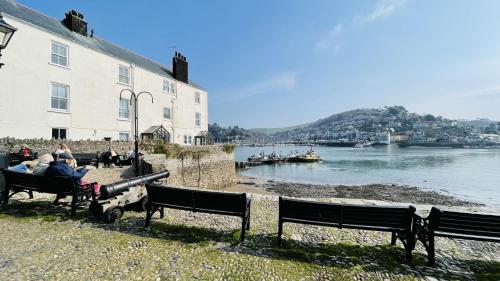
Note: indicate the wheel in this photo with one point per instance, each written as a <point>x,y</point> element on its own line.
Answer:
<point>113,214</point>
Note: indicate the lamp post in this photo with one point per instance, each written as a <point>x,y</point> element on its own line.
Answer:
<point>134,97</point>
<point>6,32</point>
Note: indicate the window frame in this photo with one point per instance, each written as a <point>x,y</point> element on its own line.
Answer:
<point>124,133</point>
<point>59,132</point>
<point>169,113</point>
<point>120,66</point>
<point>165,81</point>
<point>120,109</point>
<point>197,119</point>
<point>68,99</point>
<point>173,88</point>
<point>197,98</point>
<point>52,42</point>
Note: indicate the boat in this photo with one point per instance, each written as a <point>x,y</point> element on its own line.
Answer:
<point>309,156</point>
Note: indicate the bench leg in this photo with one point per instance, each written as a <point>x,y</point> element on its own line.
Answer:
<point>431,254</point>
<point>30,193</point>
<point>74,200</point>
<point>280,231</point>
<point>248,220</point>
<point>6,195</point>
<point>148,217</point>
<point>393,238</point>
<point>408,250</point>
<point>162,213</point>
<point>243,228</point>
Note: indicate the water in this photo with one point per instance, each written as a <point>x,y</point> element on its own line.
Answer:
<point>472,174</point>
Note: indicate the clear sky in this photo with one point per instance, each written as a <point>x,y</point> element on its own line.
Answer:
<point>278,63</point>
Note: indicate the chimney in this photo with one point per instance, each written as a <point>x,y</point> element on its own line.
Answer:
<point>180,67</point>
<point>74,21</point>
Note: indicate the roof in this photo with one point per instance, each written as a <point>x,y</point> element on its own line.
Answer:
<point>13,9</point>
<point>155,129</point>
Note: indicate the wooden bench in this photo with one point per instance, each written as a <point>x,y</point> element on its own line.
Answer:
<point>83,159</point>
<point>24,182</point>
<point>397,220</point>
<point>15,158</point>
<point>458,225</point>
<point>221,203</point>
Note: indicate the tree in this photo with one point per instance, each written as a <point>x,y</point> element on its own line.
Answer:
<point>429,118</point>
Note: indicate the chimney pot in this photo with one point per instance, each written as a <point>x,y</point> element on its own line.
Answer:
<point>180,67</point>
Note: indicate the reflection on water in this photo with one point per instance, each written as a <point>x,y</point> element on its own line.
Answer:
<point>467,173</point>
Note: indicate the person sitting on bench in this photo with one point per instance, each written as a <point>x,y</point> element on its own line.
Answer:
<point>60,167</point>
<point>25,152</point>
<point>42,164</point>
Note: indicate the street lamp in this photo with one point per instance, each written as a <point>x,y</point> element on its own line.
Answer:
<point>6,31</point>
<point>134,97</point>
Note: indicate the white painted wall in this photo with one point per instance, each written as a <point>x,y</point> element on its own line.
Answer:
<point>92,76</point>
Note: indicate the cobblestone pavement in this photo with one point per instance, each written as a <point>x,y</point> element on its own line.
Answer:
<point>40,242</point>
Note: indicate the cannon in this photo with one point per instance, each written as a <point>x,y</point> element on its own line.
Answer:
<point>114,197</point>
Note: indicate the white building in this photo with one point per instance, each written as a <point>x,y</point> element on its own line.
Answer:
<point>60,81</point>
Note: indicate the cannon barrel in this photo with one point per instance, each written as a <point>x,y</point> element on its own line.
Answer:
<point>113,189</point>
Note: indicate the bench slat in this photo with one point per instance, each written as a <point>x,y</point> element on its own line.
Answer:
<point>468,231</point>
<point>468,223</point>
<point>471,216</point>
<point>470,226</point>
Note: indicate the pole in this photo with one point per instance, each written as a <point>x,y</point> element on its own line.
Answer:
<point>135,98</point>
<point>136,137</point>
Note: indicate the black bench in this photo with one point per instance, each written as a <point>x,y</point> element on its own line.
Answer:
<point>397,220</point>
<point>15,158</point>
<point>458,225</point>
<point>24,182</point>
<point>83,159</point>
<point>221,203</point>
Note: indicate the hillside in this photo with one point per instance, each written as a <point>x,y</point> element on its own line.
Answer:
<point>364,123</point>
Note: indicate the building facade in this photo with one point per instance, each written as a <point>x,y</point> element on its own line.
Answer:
<point>60,81</point>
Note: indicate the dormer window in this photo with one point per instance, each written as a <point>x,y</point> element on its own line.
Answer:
<point>59,54</point>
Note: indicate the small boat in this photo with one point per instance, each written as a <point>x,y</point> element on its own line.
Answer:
<point>309,156</point>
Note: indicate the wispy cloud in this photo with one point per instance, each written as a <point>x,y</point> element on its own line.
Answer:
<point>383,9</point>
<point>282,82</point>
<point>329,39</point>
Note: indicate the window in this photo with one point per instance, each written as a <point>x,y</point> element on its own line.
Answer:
<point>123,136</point>
<point>166,113</point>
<point>196,97</point>
<point>166,86</point>
<point>185,139</point>
<point>59,97</point>
<point>172,88</point>
<point>123,111</point>
<point>59,134</point>
<point>190,141</point>
<point>124,75</point>
<point>59,54</point>
<point>197,119</point>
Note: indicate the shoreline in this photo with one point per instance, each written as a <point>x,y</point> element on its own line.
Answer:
<point>381,192</point>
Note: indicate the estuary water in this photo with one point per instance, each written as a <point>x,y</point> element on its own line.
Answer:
<point>471,174</point>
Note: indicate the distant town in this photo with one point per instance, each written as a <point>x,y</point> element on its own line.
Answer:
<point>376,126</point>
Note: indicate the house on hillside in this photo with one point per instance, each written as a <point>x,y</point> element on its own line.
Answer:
<point>61,81</point>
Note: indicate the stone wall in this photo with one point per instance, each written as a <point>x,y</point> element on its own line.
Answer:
<point>49,146</point>
<point>215,170</point>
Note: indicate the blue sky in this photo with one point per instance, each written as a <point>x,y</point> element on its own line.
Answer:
<point>279,63</point>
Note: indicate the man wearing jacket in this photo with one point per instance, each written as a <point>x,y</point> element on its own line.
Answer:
<point>60,167</point>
